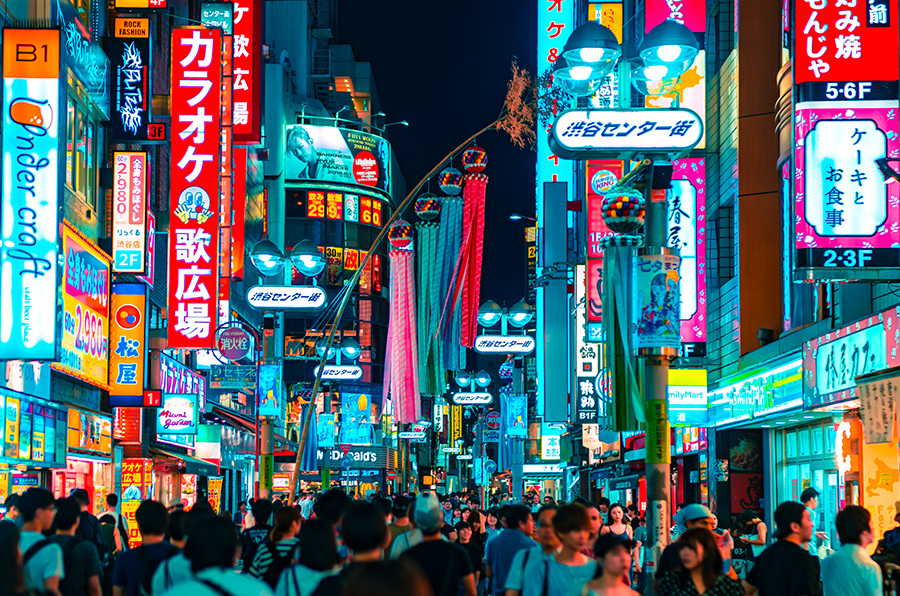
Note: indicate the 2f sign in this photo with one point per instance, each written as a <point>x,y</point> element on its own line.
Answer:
<point>35,54</point>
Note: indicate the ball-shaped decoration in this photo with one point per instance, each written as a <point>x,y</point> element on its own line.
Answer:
<point>623,209</point>
<point>428,206</point>
<point>401,235</point>
<point>450,181</point>
<point>474,159</point>
<point>506,372</point>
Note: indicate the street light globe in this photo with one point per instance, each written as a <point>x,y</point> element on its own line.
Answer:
<point>267,258</point>
<point>350,348</point>
<point>520,314</point>
<point>669,44</point>
<point>653,81</point>
<point>307,258</point>
<point>320,349</point>
<point>462,378</point>
<point>579,81</point>
<point>489,313</point>
<point>482,378</point>
<point>593,45</point>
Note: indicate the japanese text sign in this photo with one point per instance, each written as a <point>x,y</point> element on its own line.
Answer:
<point>177,415</point>
<point>471,399</point>
<point>687,233</point>
<point>131,82</point>
<point>690,13</point>
<point>174,377</point>
<point>601,177</point>
<point>287,297</point>
<point>340,372</point>
<point>878,407</point>
<point>32,122</point>
<point>247,28</point>
<point>550,447</point>
<point>85,343</point>
<point>517,416</point>
<point>129,217</point>
<point>555,22</point>
<point>269,390</point>
<point>504,344</point>
<point>137,478</point>
<point>151,248</point>
<point>194,188</point>
<point>127,358</point>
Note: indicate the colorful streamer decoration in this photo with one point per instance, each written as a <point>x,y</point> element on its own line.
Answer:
<point>430,299</point>
<point>449,242</point>
<point>402,362</point>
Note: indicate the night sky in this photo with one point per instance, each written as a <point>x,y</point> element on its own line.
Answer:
<point>443,67</point>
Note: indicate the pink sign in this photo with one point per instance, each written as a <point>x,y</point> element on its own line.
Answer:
<point>690,13</point>
<point>687,233</point>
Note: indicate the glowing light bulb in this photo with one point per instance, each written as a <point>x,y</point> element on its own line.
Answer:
<point>581,73</point>
<point>591,54</point>
<point>654,73</point>
<point>668,53</point>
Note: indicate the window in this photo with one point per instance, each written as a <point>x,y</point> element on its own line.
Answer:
<point>81,158</point>
<point>725,243</point>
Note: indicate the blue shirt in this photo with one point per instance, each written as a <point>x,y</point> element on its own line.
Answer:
<point>562,580</point>
<point>501,550</point>
<point>522,566</point>
<point>851,572</point>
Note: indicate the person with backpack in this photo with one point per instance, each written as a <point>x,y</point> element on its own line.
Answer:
<point>80,558</point>
<point>134,569</point>
<point>119,521</point>
<point>318,559</point>
<point>279,552</point>
<point>43,560</point>
<point>176,568</point>
<point>527,558</point>
<point>257,533</point>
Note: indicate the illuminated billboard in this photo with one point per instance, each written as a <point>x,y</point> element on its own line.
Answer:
<point>329,154</point>
<point>129,217</point>
<point>131,75</point>
<point>246,85</point>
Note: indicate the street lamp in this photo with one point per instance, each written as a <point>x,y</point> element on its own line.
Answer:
<point>307,258</point>
<point>267,258</point>
<point>350,348</point>
<point>482,378</point>
<point>372,116</point>
<point>489,313</point>
<point>402,122</point>
<point>518,216</point>
<point>320,349</point>
<point>670,45</point>
<point>520,314</point>
<point>462,378</point>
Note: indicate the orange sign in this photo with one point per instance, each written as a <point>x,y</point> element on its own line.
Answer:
<point>31,53</point>
<point>127,354</point>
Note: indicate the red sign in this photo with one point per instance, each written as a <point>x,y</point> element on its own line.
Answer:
<point>238,209</point>
<point>152,399</point>
<point>234,343</point>
<point>365,168</point>
<point>492,420</point>
<point>194,189</point>
<point>247,29</point>
<point>391,475</point>
<point>345,449</point>
<point>601,176</point>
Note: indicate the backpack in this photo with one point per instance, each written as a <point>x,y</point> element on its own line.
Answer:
<point>279,563</point>
<point>250,541</point>
<point>149,565</point>
<point>35,549</point>
<point>66,588</point>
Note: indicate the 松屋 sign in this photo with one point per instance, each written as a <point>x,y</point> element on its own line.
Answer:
<point>472,399</point>
<point>177,415</point>
<point>129,218</point>
<point>340,372</point>
<point>287,297</point>
<point>611,134</point>
<point>504,344</point>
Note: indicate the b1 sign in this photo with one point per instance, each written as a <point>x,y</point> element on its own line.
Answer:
<point>612,134</point>
<point>504,344</point>
<point>287,297</point>
<point>472,399</point>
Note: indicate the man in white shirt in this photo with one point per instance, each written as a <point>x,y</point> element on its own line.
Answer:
<point>851,571</point>
<point>527,558</point>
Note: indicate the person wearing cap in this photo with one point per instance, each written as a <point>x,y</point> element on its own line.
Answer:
<point>446,564</point>
<point>613,555</point>
<point>570,569</point>
<point>502,548</point>
<point>690,516</point>
<point>851,571</point>
<point>786,568</point>
<point>526,559</point>
<point>401,525</point>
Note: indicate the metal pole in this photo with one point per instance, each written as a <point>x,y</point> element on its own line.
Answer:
<point>267,424</point>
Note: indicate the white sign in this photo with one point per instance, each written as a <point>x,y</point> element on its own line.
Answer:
<point>504,344</point>
<point>599,134</point>
<point>550,447</point>
<point>450,449</point>
<point>412,435</point>
<point>287,297</point>
<point>839,362</point>
<point>541,469</point>
<point>464,456</point>
<point>342,372</point>
<point>878,406</point>
<point>472,399</point>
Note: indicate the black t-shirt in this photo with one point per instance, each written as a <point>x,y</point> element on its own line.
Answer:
<point>83,564</point>
<point>785,569</point>
<point>670,559</point>
<point>444,563</point>
<point>476,553</point>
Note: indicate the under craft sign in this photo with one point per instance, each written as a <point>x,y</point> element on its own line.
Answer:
<point>609,134</point>
<point>287,297</point>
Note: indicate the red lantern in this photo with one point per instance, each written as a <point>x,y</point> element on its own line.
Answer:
<point>474,159</point>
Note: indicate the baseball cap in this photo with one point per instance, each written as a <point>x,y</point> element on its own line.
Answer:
<point>691,512</point>
<point>788,513</point>
<point>400,506</point>
<point>428,513</point>
<point>607,542</point>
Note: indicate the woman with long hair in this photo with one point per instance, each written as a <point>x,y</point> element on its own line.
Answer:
<point>613,556</point>
<point>277,554</point>
<point>318,558</point>
<point>12,574</point>
<point>700,570</point>
<point>492,522</point>
<point>617,525</point>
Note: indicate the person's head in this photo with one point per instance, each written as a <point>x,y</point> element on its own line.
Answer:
<point>698,551</point>
<point>387,578</point>
<point>363,528</point>
<point>12,506</point>
<point>400,507</point>
<point>715,521</point>
<point>152,518</point>
<point>287,524</point>
<point>544,527</point>
<point>112,501</point>
<point>679,507</point>
<point>242,507</point>
<point>748,515</point>
<point>463,531</point>
<point>81,495</point>
<point>384,505</point>
<point>215,546</point>
<point>262,510</point>
<point>493,518</point>
<point>318,547</point>
<point>792,518</point>
<point>548,500</point>
<point>36,506</point>
<point>616,513</point>
<point>457,513</point>
<point>854,526</point>
<point>332,505</point>
<point>12,576</point>
<point>613,555</point>
<point>518,517</point>
<point>694,516</point>
<point>68,512</point>
<point>178,526</point>
<point>603,505</point>
<point>447,505</point>
<point>465,513</point>
<point>572,525</point>
<point>810,497</point>
<point>428,514</point>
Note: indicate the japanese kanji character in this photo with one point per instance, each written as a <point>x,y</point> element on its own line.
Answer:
<point>591,129</point>
<point>681,128</point>
<point>191,245</point>
<point>127,348</point>
<point>858,135</point>
<point>574,129</point>
<point>811,52</point>
<point>878,14</point>
<point>194,288</point>
<point>858,177</point>
<point>646,127</point>
<point>193,320</point>
<point>813,24</point>
<point>834,218</point>
<point>241,45</point>
<point>555,29</point>
<point>819,67</point>
<point>199,79</point>
<point>834,197</point>
<point>198,160</point>
<point>240,10</point>
<point>240,83</point>
<point>848,46</point>
<point>127,374</point>
<point>834,174</point>
<point>196,41</point>
<point>196,125</point>
<point>847,20</point>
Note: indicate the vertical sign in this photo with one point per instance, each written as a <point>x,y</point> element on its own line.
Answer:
<point>687,233</point>
<point>137,476</point>
<point>131,75</point>
<point>127,327</point>
<point>455,424</point>
<point>658,305</point>
<point>129,220</point>
<point>194,230</point>
<point>601,177</point>
<point>530,263</point>
<point>247,29</point>
<point>556,21</point>
<point>269,390</point>
<point>151,249</point>
<point>29,233</point>
<point>225,171</point>
<point>586,357</point>
<point>238,210</point>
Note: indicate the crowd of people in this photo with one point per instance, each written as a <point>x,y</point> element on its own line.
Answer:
<point>418,545</point>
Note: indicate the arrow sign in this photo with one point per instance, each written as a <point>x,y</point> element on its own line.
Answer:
<point>490,466</point>
<point>472,399</point>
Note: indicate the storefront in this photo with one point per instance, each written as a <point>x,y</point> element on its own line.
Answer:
<point>544,479</point>
<point>89,462</point>
<point>362,469</point>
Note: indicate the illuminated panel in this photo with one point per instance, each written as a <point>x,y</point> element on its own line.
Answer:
<point>315,204</point>
<point>334,205</point>
<point>365,210</point>
<point>687,233</point>
<point>247,83</point>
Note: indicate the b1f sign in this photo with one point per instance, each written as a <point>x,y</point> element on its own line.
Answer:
<point>129,212</point>
<point>29,235</point>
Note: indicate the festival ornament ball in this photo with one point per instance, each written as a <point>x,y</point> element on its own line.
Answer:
<point>474,159</point>
<point>450,181</point>
<point>623,209</point>
<point>428,206</point>
<point>401,235</point>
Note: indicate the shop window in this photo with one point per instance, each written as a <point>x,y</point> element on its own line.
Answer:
<point>81,159</point>
<point>725,233</point>
<point>817,439</point>
<point>792,444</point>
<point>830,437</point>
<point>804,442</point>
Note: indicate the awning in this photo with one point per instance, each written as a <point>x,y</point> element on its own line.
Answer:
<point>192,465</point>
<point>235,420</point>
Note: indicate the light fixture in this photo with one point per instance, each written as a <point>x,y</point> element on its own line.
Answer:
<point>402,122</point>
<point>307,258</point>
<point>576,80</point>
<point>808,417</point>
<point>520,314</point>
<point>462,378</point>
<point>592,45</point>
<point>320,349</point>
<point>267,257</point>
<point>653,81</point>
<point>350,348</point>
<point>482,378</point>
<point>489,313</point>
<point>669,44</point>
<point>518,216</point>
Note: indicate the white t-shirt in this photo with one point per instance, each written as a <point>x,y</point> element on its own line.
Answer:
<point>230,582</point>
<point>302,578</point>
<point>171,572</point>
<point>47,563</point>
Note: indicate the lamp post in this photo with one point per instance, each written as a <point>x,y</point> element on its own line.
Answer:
<point>518,216</point>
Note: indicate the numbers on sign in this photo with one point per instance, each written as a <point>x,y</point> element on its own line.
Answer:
<point>830,256</point>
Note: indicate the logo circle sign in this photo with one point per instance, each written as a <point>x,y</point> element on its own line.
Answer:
<point>365,169</point>
<point>234,343</point>
<point>492,420</point>
<point>128,316</point>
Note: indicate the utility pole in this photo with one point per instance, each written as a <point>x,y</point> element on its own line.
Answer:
<point>267,424</point>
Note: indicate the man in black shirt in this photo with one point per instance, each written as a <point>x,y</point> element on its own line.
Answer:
<point>82,563</point>
<point>786,569</point>
<point>251,538</point>
<point>365,533</point>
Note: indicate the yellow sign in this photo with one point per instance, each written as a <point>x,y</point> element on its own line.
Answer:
<point>880,482</point>
<point>215,492</point>
<point>266,470</point>
<point>133,28</point>
<point>658,439</point>
<point>609,14</point>
<point>455,424</point>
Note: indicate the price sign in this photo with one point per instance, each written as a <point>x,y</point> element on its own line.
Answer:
<point>376,213</point>
<point>315,204</point>
<point>365,210</point>
<point>335,201</point>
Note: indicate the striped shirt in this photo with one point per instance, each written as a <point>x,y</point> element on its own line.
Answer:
<point>263,559</point>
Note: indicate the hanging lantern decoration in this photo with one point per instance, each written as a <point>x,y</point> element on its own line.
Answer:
<point>450,180</point>
<point>428,206</point>
<point>401,235</point>
<point>474,159</point>
<point>623,209</point>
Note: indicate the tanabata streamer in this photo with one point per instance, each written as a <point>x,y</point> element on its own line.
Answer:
<point>402,365</point>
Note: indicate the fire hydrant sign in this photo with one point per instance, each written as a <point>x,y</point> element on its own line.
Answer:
<point>178,415</point>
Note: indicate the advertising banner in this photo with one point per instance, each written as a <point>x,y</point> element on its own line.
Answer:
<point>878,408</point>
<point>326,430</point>
<point>269,390</point>
<point>137,477</point>
<point>127,333</point>
<point>356,418</point>
<point>601,176</point>
<point>455,424</point>
<point>658,302</point>
<point>215,492</point>
<point>89,432</point>
<point>32,121</point>
<point>151,247</point>
<point>131,72</point>
<point>129,217</point>
<point>517,410</point>
<point>247,89</point>
<point>232,377</point>
<point>690,91</point>
<point>85,292</point>
<point>194,187</point>
<point>687,398</point>
<point>330,154</point>
<point>687,233</point>
<point>174,377</point>
<point>178,415</point>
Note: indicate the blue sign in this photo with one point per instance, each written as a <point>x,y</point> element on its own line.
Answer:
<point>346,461</point>
<point>356,418</point>
<point>325,430</point>
<point>490,466</point>
<point>517,416</point>
<point>177,415</point>
<point>269,390</point>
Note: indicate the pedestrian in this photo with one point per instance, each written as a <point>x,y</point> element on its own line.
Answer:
<point>851,571</point>
<point>89,525</point>
<point>12,576</point>
<point>810,499</point>
<point>213,553</point>
<point>446,564</point>
<point>701,570</point>
<point>385,506</point>
<point>278,552</point>
<point>318,559</point>
<point>785,568</point>
<point>565,573</point>
<point>548,547</point>
<point>492,524</point>
<point>81,561</point>
<point>596,526</point>
<point>755,534</point>
<point>252,537</point>
<point>134,569</point>
<point>407,540</point>
<point>249,521</point>
<point>472,547</point>
<point>401,525</point>
<point>616,524</point>
<point>176,568</point>
<point>387,578</point>
<point>42,559</point>
<point>12,514</point>
<point>447,507</point>
<point>111,539</point>
<point>306,505</point>
<point>364,532</point>
<point>641,552</point>
<point>121,524</point>
<point>692,516</point>
<point>603,506</point>
<point>240,513</point>
<point>613,557</point>
<point>502,548</point>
